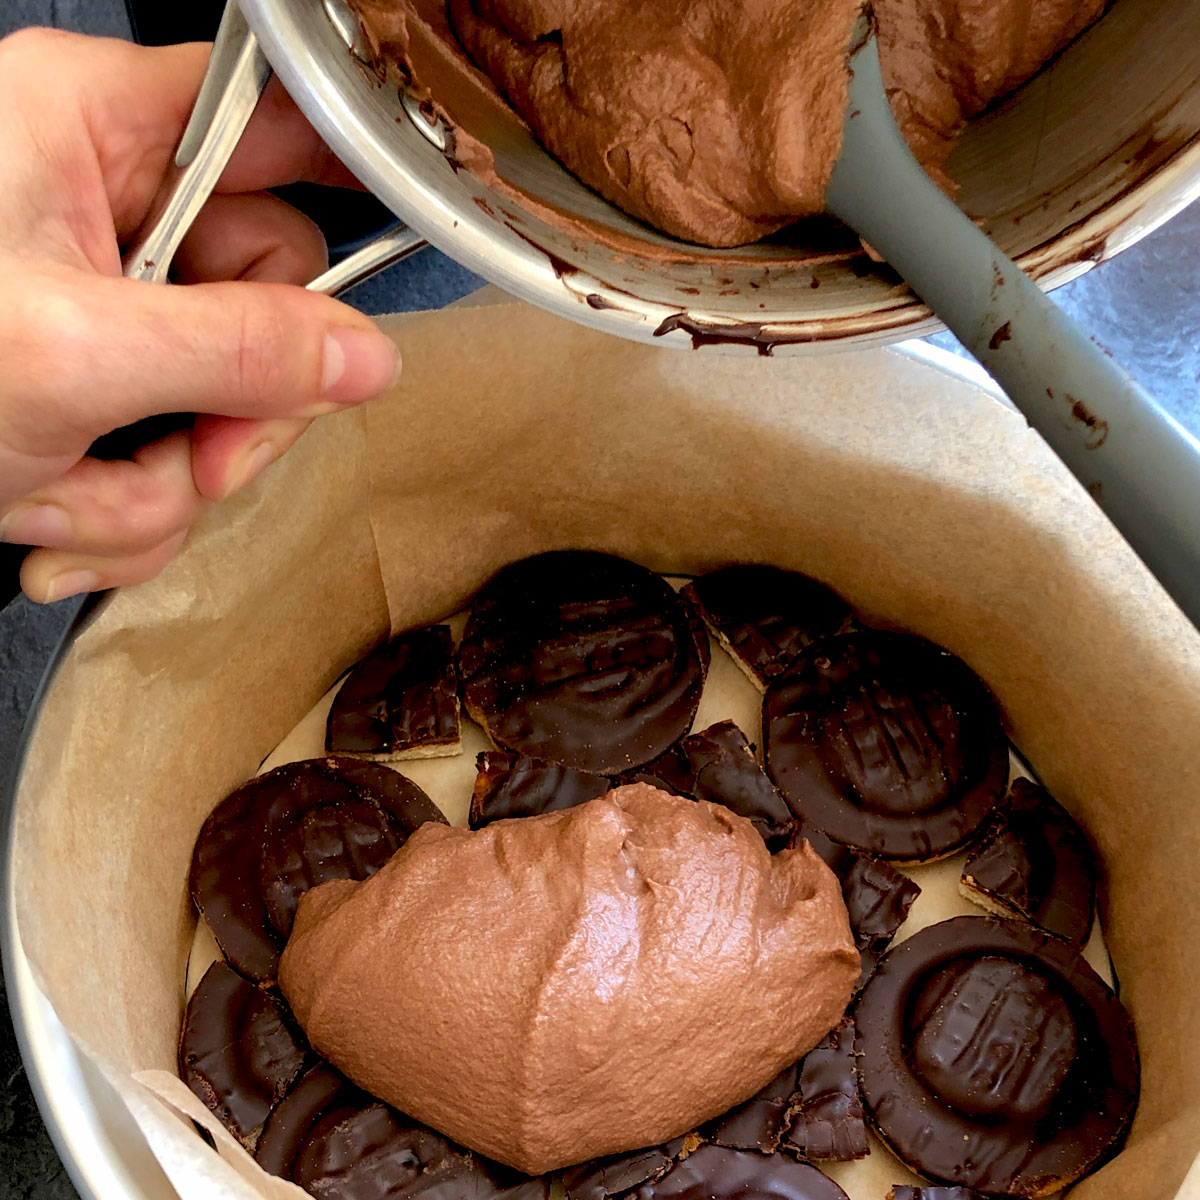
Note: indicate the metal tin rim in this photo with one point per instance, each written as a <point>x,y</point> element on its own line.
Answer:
<point>294,42</point>
<point>67,1089</point>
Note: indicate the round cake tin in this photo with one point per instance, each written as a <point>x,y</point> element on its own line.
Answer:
<point>105,1154</point>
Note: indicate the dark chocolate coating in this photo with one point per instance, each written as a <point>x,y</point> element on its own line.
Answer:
<point>239,1049</point>
<point>338,1143</point>
<point>719,1173</point>
<point>902,1191</point>
<point>515,785</point>
<point>766,615</point>
<point>758,1124</point>
<point>670,771</point>
<point>583,659</point>
<point>887,743</point>
<point>287,831</point>
<point>826,1116</point>
<point>994,1058</point>
<point>617,1174</point>
<point>877,896</point>
<point>726,772</point>
<point>1036,862</point>
<point>402,696</point>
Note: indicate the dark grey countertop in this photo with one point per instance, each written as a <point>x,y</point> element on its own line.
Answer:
<point>1145,306</point>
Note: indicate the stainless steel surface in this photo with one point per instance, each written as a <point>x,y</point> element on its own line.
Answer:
<point>237,77</point>
<point>1092,155</point>
<point>389,247</point>
<point>1139,465</point>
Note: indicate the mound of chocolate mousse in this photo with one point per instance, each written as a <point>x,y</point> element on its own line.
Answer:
<point>719,121</point>
<point>574,984</point>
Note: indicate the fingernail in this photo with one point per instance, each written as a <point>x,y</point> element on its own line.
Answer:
<point>71,583</point>
<point>251,463</point>
<point>359,364</point>
<point>36,525</point>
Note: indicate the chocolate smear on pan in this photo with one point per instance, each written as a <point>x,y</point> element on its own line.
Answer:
<point>719,1173</point>
<point>583,659</point>
<point>239,1050</point>
<point>284,832</point>
<point>401,701</point>
<point>765,616</point>
<point>515,785</point>
<point>888,743</point>
<point>826,1121</point>
<point>726,772</point>
<point>994,1058</point>
<point>338,1143</point>
<point>1035,862</point>
<point>877,896</point>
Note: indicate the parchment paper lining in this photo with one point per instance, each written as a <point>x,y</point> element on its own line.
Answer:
<point>928,507</point>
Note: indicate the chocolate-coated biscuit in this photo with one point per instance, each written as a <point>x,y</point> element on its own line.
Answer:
<point>887,743</point>
<point>758,1123</point>
<point>401,701</point>
<point>583,659</point>
<point>877,896</point>
<point>515,785</point>
<point>287,831</point>
<point>765,616</point>
<point>1035,862</point>
<point>239,1050</point>
<point>902,1191</point>
<point>719,1173</point>
<point>994,1058</point>
<point>826,1115</point>
<point>338,1143</point>
<point>670,771</point>
<point>726,772</point>
<point>616,1174</point>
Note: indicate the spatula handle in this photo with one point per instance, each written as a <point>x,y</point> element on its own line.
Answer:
<point>1138,464</point>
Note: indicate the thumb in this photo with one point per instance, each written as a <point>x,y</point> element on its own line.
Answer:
<point>96,353</point>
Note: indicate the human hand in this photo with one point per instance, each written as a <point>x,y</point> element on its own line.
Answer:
<point>88,129</point>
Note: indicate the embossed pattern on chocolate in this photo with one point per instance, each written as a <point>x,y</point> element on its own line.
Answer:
<point>338,1143</point>
<point>401,701</point>
<point>887,743</point>
<point>994,1058</point>
<point>515,785</point>
<point>583,659</point>
<point>239,1050</point>
<point>284,832</point>
<point>826,1116</point>
<point>719,1173</point>
<point>765,616</point>
<point>726,772</point>
<point>1035,862</point>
